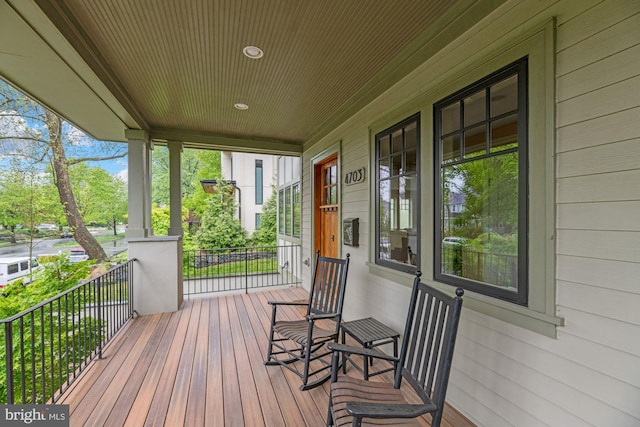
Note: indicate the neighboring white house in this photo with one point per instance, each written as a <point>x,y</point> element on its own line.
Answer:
<point>254,175</point>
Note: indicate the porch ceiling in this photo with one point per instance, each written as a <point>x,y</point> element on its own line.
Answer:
<point>175,68</point>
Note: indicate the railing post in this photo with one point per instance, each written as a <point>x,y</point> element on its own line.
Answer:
<point>130,286</point>
<point>246,270</point>
<point>8,330</point>
<point>99,298</point>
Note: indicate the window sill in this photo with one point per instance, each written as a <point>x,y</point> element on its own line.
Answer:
<point>544,324</point>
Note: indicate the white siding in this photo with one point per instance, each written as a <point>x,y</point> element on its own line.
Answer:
<point>241,168</point>
<point>504,375</point>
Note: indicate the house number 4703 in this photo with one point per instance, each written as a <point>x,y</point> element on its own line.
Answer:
<point>355,177</point>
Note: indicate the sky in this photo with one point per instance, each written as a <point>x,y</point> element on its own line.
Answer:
<point>117,167</point>
<point>77,143</point>
<point>83,145</point>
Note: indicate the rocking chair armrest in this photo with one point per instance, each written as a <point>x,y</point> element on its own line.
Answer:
<point>377,410</point>
<point>360,351</point>
<point>287,303</point>
<point>314,317</point>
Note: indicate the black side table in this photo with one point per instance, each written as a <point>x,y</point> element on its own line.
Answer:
<point>369,333</point>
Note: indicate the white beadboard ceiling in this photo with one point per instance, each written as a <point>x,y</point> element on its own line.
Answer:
<point>177,68</point>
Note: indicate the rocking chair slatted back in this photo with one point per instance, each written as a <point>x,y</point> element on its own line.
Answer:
<point>326,294</point>
<point>427,349</point>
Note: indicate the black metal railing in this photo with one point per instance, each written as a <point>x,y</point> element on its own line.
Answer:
<point>496,269</point>
<point>47,346</point>
<point>234,269</point>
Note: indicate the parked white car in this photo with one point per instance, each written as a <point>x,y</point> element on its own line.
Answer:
<point>77,255</point>
<point>47,227</point>
<point>13,268</point>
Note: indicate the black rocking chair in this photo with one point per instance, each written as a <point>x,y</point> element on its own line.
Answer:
<point>424,363</point>
<point>304,340</point>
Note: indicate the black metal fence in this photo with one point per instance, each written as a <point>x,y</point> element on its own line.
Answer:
<point>496,269</point>
<point>47,346</point>
<point>234,269</point>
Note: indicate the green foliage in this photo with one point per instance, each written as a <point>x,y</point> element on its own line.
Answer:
<point>191,163</point>
<point>23,197</point>
<point>35,138</point>
<point>220,228</point>
<point>264,266</point>
<point>58,275</point>
<point>266,235</point>
<point>210,168</point>
<point>160,220</point>
<point>101,197</point>
<point>491,195</point>
<point>48,354</point>
<point>196,165</point>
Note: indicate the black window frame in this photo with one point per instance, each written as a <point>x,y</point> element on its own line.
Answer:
<point>519,68</point>
<point>296,210</point>
<point>259,182</point>
<point>289,218</point>
<point>258,220</point>
<point>408,267</point>
<point>281,212</point>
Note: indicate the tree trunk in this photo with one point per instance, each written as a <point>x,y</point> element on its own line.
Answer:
<point>69,206</point>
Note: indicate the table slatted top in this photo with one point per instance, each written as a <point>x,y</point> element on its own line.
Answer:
<point>368,330</point>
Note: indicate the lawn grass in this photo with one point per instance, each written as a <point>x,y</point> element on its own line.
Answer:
<point>100,239</point>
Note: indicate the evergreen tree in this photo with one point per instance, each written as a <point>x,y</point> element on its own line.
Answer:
<point>266,234</point>
<point>219,226</point>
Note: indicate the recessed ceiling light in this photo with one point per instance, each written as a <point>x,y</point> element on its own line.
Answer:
<point>253,52</point>
<point>241,106</point>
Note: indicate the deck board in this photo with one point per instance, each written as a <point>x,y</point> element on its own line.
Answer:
<point>201,366</point>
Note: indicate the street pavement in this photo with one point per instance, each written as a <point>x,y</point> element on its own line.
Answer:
<point>46,247</point>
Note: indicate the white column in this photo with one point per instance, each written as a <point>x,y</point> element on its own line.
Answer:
<point>139,184</point>
<point>175,188</point>
<point>147,195</point>
<point>157,274</point>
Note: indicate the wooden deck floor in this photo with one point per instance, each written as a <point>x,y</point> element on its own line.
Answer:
<point>200,366</point>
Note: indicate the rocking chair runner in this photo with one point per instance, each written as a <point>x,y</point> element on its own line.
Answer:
<point>304,340</point>
<point>424,363</point>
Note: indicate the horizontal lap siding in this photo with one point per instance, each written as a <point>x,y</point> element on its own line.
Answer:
<point>504,375</point>
<point>598,194</point>
<point>588,376</point>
